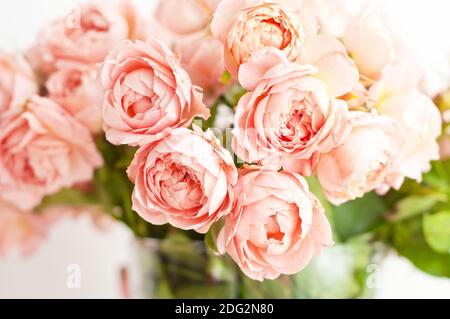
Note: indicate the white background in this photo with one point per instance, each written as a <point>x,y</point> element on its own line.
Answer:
<point>423,24</point>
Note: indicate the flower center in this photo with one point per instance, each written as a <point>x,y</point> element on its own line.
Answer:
<point>273,230</point>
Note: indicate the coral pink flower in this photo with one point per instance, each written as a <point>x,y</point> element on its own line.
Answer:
<point>147,91</point>
<point>203,60</point>
<point>185,17</point>
<point>17,82</point>
<point>80,93</point>
<point>20,231</point>
<point>276,226</point>
<point>43,149</point>
<point>289,116</point>
<point>365,160</point>
<point>85,36</point>
<point>184,179</point>
<point>247,26</point>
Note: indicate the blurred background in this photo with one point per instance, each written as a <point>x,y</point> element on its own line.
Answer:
<point>100,255</point>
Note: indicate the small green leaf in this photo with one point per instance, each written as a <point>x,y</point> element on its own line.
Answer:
<point>436,228</point>
<point>415,205</point>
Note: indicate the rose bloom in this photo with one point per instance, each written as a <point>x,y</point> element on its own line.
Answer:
<point>17,82</point>
<point>185,17</point>
<point>80,94</point>
<point>277,224</point>
<point>20,231</point>
<point>203,60</point>
<point>85,36</point>
<point>370,43</point>
<point>43,149</point>
<point>289,116</point>
<point>365,160</point>
<point>396,95</point>
<point>147,91</point>
<point>184,179</point>
<point>247,26</point>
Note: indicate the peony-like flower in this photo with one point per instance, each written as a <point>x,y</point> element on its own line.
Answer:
<point>203,60</point>
<point>277,225</point>
<point>364,162</point>
<point>80,93</point>
<point>17,82</point>
<point>43,149</point>
<point>85,36</point>
<point>247,26</point>
<point>20,231</point>
<point>184,179</point>
<point>147,91</point>
<point>289,116</point>
<point>185,17</point>
<point>371,45</point>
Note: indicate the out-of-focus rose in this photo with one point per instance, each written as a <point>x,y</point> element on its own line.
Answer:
<point>276,226</point>
<point>43,149</point>
<point>421,124</point>
<point>20,231</point>
<point>17,82</point>
<point>370,44</point>
<point>247,26</point>
<point>365,160</point>
<point>288,116</point>
<point>85,36</point>
<point>147,91</point>
<point>396,95</point>
<point>444,148</point>
<point>184,179</point>
<point>80,93</point>
<point>185,17</point>
<point>203,60</point>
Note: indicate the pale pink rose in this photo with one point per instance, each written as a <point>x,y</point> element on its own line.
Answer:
<point>147,91</point>
<point>184,179</point>
<point>43,149</point>
<point>203,60</point>
<point>17,82</point>
<point>370,43</point>
<point>80,93</point>
<point>85,36</point>
<point>365,160</point>
<point>247,26</point>
<point>396,95</point>
<point>444,148</point>
<point>288,116</point>
<point>277,225</point>
<point>20,231</point>
<point>421,124</point>
<point>187,16</point>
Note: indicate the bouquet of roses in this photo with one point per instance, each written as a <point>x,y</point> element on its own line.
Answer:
<point>238,120</point>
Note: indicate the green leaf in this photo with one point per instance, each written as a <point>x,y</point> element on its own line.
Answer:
<point>415,205</point>
<point>436,228</point>
<point>359,216</point>
<point>408,239</point>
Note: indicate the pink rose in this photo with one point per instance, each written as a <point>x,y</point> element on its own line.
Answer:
<point>20,231</point>
<point>184,179</point>
<point>247,26</point>
<point>185,17</point>
<point>277,225</point>
<point>365,160</point>
<point>43,149</point>
<point>396,95</point>
<point>85,36</point>
<point>203,60</point>
<point>80,94</point>
<point>147,91</point>
<point>370,43</point>
<point>17,82</point>
<point>289,116</point>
